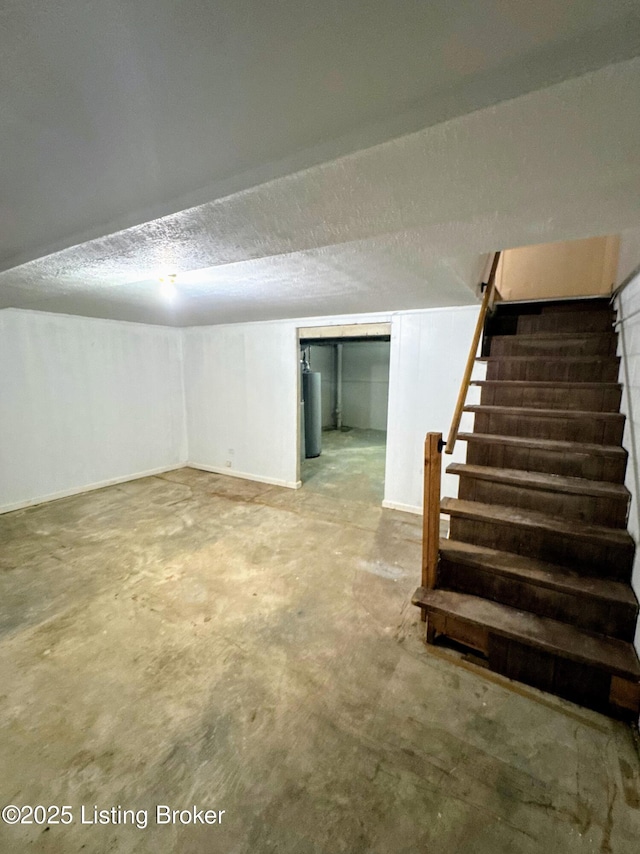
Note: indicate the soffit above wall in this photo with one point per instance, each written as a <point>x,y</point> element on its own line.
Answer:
<point>401,225</point>
<point>115,113</point>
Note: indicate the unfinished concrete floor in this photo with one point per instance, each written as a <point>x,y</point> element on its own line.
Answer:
<point>352,460</point>
<point>192,639</point>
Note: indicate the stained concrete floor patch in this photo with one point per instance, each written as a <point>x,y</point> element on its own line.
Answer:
<point>192,639</point>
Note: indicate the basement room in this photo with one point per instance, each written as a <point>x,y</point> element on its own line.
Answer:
<point>319,387</point>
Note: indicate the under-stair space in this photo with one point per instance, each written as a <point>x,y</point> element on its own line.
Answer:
<point>535,574</point>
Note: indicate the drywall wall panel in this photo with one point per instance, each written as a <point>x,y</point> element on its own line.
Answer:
<point>365,384</point>
<point>84,403</point>
<point>241,390</point>
<point>428,355</point>
<point>242,393</point>
<point>88,402</point>
<point>629,256</point>
<point>628,307</point>
<point>242,396</point>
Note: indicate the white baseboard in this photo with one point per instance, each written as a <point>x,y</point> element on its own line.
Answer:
<point>410,508</point>
<point>78,490</point>
<point>405,508</point>
<point>272,481</point>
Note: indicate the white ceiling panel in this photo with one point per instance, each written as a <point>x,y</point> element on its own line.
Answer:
<point>342,155</point>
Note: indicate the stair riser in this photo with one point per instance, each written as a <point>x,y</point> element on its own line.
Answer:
<point>611,512</point>
<point>587,685</point>
<point>589,613</point>
<point>597,305</point>
<point>580,683</point>
<point>592,430</point>
<point>588,556</point>
<point>549,371</point>
<point>590,466</point>
<point>600,345</point>
<point>597,321</point>
<point>587,400</point>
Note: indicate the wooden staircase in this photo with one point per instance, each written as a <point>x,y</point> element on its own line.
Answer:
<point>535,574</point>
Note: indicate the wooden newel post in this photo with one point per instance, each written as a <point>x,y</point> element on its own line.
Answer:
<point>431,510</point>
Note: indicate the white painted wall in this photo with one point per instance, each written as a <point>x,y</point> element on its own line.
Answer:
<point>241,384</point>
<point>629,257</point>
<point>365,384</point>
<point>628,306</point>
<point>241,395</point>
<point>428,354</point>
<point>85,403</point>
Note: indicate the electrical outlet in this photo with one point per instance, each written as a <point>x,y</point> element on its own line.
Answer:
<point>228,464</point>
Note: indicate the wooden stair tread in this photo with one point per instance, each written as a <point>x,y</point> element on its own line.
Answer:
<point>614,656</point>
<point>547,384</point>
<point>562,343</point>
<point>582,360</point>
<point>542,480</point>
<point>525,579</point>
<point>522,568</point>
<point>528,411</point>
<point>545,444</point>
<point>499,514</point>
<point>553,336</point>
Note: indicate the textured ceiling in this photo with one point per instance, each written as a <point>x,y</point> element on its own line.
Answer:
<point>116,112</point>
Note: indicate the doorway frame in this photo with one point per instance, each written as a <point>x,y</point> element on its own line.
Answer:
<point>341,330</point>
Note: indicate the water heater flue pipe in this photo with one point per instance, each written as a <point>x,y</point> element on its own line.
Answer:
<point>338,362</point>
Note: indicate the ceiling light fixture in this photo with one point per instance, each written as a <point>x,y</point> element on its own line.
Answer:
<point>168,290</point>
